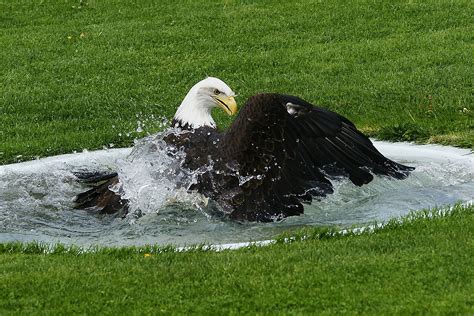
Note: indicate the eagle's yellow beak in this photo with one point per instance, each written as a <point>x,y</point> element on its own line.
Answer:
<point>227,103</point>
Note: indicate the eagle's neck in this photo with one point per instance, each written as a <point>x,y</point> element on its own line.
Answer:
<point>194,111</point>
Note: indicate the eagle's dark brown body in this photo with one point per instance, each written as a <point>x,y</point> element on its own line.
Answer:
<point>279,153</point>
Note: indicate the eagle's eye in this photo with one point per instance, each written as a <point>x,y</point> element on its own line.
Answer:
<point>217,92</point>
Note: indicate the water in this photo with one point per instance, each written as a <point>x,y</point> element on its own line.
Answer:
<point>36,198</point>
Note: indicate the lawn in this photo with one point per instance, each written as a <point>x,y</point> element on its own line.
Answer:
<point>91,74</point>
<point>420,265</point>
<point>82,76</point>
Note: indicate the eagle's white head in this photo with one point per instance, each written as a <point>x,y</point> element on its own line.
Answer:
<point>195,110</point>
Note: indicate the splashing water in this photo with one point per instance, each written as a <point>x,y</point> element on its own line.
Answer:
<point>36,197</point>
<point>152,176</point>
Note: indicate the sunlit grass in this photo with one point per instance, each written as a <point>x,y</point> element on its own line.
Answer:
<point>419,264</point>
<point>82,76</point>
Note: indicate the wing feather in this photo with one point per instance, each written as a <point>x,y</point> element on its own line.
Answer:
<point>307,145</point>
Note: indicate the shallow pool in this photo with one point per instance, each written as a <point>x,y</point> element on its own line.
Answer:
<point>36,200</point>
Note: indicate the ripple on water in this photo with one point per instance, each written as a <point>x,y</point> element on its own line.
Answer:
<point>36,197</point>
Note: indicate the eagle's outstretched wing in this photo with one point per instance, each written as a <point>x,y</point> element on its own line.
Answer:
<point>287,149</point>
<point>100,198</point>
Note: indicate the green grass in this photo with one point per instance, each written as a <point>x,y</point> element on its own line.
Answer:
<point>81,74</point>
<point>418,265</point>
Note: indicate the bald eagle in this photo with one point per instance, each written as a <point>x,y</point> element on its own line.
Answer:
<point>280,153</point>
